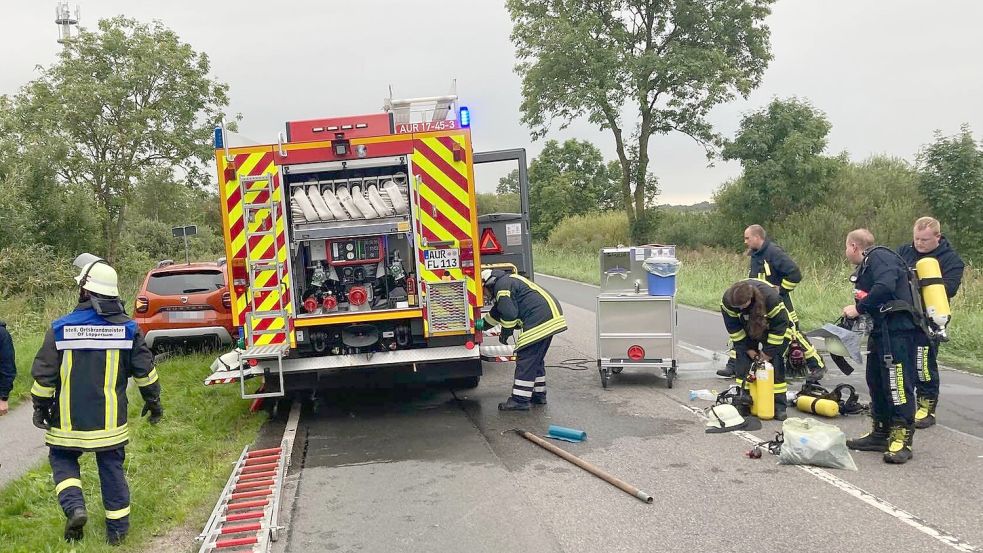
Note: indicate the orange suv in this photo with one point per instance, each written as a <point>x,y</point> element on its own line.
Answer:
<point>185,305</point>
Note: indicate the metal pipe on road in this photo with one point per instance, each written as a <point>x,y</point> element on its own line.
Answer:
<point>621,484</point>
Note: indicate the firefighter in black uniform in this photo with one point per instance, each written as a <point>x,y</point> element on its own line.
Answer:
<point>882,289</point>
<point>8,367</point>
<point>770,263</point>
<point>927,241</point>
<point>79,393</point>
<point>521,303</point>
<point>758,324</point>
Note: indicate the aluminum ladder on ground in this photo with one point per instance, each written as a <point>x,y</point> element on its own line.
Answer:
<point>281,346</point>
<point>246,515</point>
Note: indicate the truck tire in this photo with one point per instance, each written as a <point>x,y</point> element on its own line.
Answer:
<point>466,383</point>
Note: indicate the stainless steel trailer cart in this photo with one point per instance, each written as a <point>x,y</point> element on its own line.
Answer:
<point>635,330</point>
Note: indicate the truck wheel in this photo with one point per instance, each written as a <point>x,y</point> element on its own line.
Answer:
<point>465,383</point>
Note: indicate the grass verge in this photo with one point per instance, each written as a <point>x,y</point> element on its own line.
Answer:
<point>705,274</point>
<point>175,469</point>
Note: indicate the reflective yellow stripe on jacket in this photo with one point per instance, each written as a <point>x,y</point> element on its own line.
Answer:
<point>87,439</point>
<point>556,323</point>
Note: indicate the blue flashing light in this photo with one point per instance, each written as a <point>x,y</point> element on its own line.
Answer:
<point>218,138</point>
<point>465,117</point>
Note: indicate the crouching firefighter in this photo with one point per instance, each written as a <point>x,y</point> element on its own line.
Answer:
<point>79,394</point>
<point>770,263</point>
<point>521,303</point>
<point>758,324</point>
<point>882,288</point>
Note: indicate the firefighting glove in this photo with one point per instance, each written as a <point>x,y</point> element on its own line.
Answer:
<point>479,325</point>
<point>155,409</point>
<point>42,417</point>
<point>505,335</point>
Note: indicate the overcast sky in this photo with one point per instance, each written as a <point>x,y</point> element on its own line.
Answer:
<point>887,72</point>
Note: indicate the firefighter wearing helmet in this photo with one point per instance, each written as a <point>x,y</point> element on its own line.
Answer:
<point>520,303</point>
<point>79,394</point>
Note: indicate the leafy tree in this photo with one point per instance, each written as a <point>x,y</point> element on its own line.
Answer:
<point>509,184</point>
<point>120,103</point>
<point>567,179</point>
<point>497,203</point>
<point>952,182</point>
<point>780,148</point>
<point>669,61</point>
<point>35,209</point>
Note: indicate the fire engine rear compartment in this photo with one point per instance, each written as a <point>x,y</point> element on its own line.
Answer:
<point>353,260</point>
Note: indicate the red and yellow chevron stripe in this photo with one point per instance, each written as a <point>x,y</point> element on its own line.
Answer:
<point>236,192</point>
<point>445,203</point>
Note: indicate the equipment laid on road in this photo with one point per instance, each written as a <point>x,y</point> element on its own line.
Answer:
<point>353,247</point>
<point>933,293</point>
<point>247,511</point>
<point>816,400</point>
<point>811,442</point>
<point>566,434</point>
<point>620,484</point>
<point>636,311</point>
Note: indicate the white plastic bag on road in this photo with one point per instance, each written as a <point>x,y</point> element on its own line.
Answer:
<point>811,442</point>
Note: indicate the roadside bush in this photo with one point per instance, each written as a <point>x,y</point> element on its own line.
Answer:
<point>591,232</point>
<point>33,270</point>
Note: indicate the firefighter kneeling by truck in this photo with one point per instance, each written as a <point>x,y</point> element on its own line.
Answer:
<point>521,303</point>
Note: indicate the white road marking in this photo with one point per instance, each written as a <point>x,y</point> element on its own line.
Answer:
<point>865,496</point>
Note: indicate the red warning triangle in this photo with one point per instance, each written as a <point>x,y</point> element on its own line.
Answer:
<point>489,243</point>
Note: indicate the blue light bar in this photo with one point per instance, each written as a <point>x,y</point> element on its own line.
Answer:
<point>465,117</point>
<point>218,138</point>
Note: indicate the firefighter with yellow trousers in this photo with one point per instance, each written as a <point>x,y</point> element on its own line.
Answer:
<point>758,324</point>
<point>79,394</point>
<point>770,263</point>
<point>521,303</point>
<point>927,241</point>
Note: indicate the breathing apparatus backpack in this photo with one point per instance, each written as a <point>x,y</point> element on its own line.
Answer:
<point>816,400</point>
<point>917,306</point>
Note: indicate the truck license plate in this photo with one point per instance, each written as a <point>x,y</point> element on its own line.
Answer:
<point>441,259</point>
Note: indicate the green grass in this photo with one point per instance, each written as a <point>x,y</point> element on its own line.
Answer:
<point>705,274</point>
<point>175,469</point>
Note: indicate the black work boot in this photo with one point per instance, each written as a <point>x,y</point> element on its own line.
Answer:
<point>781,407</point>
<point>925,415</point>
<point>539,399</point>
<point>75,525</point>
<point>728,370</point>
<point>875,440</point>
<point>115,538</point>
<point>899,447</point>
<point>512,405</point>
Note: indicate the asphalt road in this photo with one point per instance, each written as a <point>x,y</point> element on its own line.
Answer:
<point>433,470</point>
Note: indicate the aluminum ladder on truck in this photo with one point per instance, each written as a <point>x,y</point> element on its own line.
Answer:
<point>246,515</point>
<point>281,336</point>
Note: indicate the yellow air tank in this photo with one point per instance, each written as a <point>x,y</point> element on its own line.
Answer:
<point>817,406</point>
<point>933,292</point>
<point>764,395</point>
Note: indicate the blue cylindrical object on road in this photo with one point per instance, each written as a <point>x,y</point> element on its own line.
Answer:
<point>569,434</point>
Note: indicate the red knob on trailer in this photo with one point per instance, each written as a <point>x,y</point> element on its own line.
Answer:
<point>330,303</point>
<point>357,295</point>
